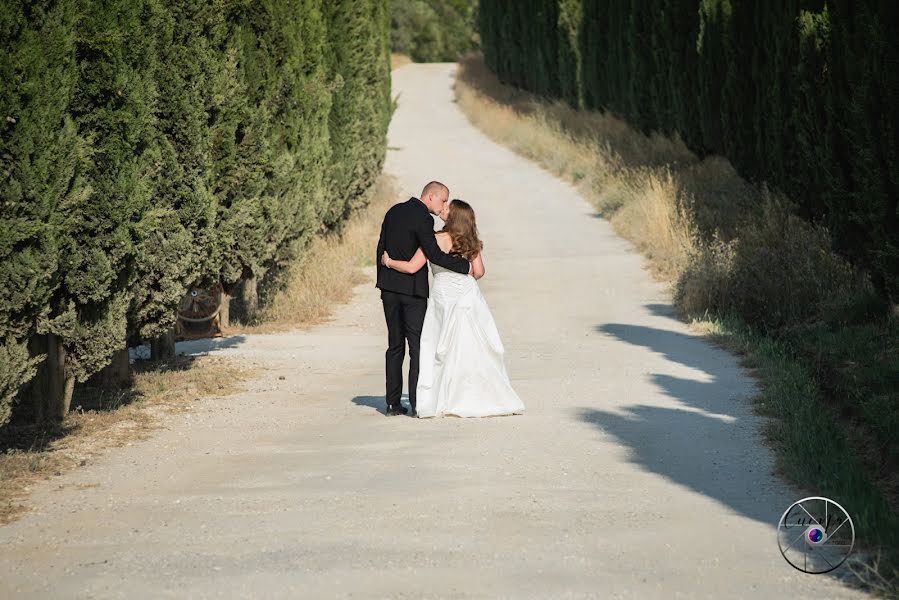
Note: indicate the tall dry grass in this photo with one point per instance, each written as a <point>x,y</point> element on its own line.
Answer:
<point>398,60</point>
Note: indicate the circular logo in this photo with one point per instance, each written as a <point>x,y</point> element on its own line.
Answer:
<point>815,535</point>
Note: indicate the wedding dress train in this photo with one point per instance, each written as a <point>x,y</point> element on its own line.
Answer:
<point>461,368</point>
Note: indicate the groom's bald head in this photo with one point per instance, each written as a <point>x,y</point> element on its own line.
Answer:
<point>436,188</point>
<point>434,195</point>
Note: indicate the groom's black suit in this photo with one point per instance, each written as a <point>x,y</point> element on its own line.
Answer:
<point>407,227</point>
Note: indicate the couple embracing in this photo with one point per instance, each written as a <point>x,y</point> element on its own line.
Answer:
<point>455,353</point>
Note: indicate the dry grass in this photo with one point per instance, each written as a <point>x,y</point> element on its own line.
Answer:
<point>398,60</point>
<point>103,419</point>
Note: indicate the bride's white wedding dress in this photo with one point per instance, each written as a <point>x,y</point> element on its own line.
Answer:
<point>461,369</point>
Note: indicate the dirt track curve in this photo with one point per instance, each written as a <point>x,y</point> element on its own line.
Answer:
<point>637,472</point>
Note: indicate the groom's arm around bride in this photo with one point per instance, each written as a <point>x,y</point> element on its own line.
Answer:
<point>408,226</point>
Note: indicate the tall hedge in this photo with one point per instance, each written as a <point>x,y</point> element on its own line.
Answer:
<point>361,105</point>
<point>176,240</point>
<point>39,153</point>
<point>800,94</point>
<point>112,106</point>
<point>151,145</point>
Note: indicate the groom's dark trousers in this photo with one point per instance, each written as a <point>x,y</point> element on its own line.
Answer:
<point>407,227</point>
<point>405,316</point>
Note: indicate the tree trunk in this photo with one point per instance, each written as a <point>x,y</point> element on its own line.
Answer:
<point>117,374</point>
<point>250,299</point>
<point>51,391</point>
<point>163,347</point>
<point>225,310</point>
<point>66,400</point>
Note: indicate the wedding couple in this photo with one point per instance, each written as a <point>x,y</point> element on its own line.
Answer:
<point>456,356</point>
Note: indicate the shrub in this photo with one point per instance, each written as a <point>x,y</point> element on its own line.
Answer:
<point>433,30</point>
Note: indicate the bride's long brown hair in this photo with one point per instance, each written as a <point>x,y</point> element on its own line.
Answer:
<point>463,230</point>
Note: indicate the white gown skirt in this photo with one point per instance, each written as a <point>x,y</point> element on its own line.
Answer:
<point>461,368</point>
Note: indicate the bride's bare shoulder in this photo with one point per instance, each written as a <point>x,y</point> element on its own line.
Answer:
<point>444,240</point>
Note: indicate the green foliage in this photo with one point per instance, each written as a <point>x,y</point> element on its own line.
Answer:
<point>361,106</point>
<point>176,238</point>
<point>112,107</point>
<point>152,145</point>
<point>16,367</point>
<point>799,94</point>
<point>39,151</point>
<point>433,30</point>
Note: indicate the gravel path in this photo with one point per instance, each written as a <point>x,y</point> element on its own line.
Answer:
<point>637,472</point>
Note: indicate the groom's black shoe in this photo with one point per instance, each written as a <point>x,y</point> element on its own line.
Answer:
<point>393,411</point>
<point>413,413</point>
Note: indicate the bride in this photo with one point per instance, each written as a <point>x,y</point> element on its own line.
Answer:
<point>461,369</point>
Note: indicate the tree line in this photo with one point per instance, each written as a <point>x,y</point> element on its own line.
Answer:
<point>433,30</point>
<point>800,94</point>
<point>147,146</point>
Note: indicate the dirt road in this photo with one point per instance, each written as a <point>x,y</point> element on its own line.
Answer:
<point>637,472</point>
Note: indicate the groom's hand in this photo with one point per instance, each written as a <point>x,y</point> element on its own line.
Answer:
<point>384,258</point>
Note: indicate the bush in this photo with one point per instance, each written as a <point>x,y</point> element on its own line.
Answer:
<point>433,30</point>
<point>704,286</point>
<point>780,273</point>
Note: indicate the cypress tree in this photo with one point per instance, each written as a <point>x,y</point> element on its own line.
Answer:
<point>569,59</point>
<point>176,241</point>
<point>39,147</point>
<point>245,157</point>
<point>300,142</point>
<point>112,108</point>
<point>361,107</point>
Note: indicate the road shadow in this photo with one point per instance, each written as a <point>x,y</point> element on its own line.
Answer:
<point>207,345</point>
<point>681,446</point>
<point>696,450</point>
<point>707,444</point>
<point>378,402</point>
<point>692,351</point>
<point>661,309</point>
<point>701,445</point>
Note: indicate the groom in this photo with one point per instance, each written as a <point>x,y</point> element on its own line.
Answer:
<point>407,227</point>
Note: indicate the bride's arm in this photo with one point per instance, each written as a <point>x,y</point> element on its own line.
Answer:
<point>405,266</point>
<point>477,267</point>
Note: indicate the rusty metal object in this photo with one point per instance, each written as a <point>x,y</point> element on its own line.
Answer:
<point>198,314</point>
